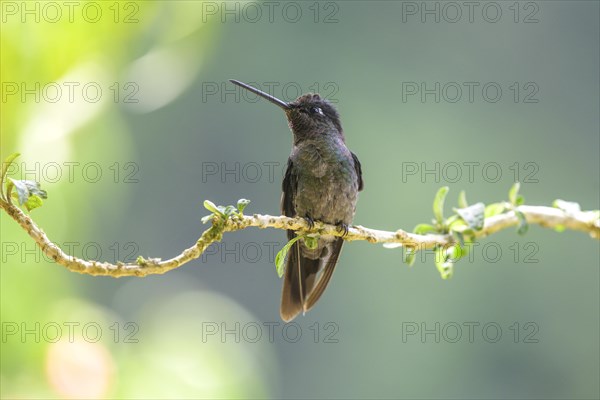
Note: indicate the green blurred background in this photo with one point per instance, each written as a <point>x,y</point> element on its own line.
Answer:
<point>168,127</point>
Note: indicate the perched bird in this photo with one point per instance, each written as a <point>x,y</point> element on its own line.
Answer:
<point>321,183</point>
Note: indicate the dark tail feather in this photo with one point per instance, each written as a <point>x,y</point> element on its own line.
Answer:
<point>299,279</point>
<point>330,262</point>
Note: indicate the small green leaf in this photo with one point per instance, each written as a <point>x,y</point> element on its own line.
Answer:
<point>207,218</point>
<point>280,257</point>
<point>9,188</point>
<point>454,253</point>
<point>7,161</point>
<point>34,201</point>
<point>452,219</point>
<point>438,204</point>
<point>567,206</point>
<point>241,204</point>
<point>523,225</point>
<point>473,215</point>
<point>494,209</point>
<point>311,242</point>
<point>410,255</point>
<point>513,193</point>
<point>462,199</point>
<point>559,228</point>
<point>5,165</point>
<point>229,211</point>
<point>458,225</point>
<point>422,229</point>
<point>462,249</point>
<point>443,265</point>
<point>210,206</point>
<point>409,258</point>
<point>520,200</point>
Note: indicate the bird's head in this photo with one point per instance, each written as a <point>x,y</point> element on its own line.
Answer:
<point>308,116</point>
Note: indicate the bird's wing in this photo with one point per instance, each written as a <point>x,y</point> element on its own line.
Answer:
<point>292,296</point>
<point>358,168</point>
<point>289,188</point>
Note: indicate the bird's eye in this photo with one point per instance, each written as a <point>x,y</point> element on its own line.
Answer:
<point>316,110</point>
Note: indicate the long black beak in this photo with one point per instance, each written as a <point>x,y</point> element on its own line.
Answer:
<point>262,94</point>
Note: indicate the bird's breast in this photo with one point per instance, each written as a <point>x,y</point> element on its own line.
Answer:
<point>327,182</point>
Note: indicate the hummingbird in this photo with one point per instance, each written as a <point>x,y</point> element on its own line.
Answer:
<point>321,183</point>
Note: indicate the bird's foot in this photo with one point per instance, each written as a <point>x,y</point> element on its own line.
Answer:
<point>309,221</point>
<point>342,227</point>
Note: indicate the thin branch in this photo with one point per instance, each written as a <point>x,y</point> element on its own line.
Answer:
<point>584,221</point>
